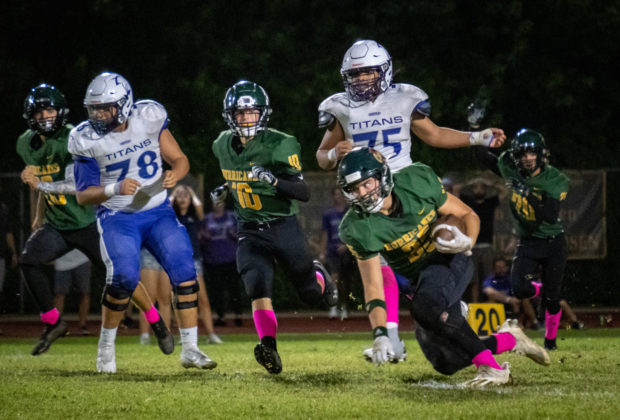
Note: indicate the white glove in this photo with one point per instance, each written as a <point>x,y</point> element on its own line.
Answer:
<point>382,351</point>
<point>264,175</point>
<point>460,242</point>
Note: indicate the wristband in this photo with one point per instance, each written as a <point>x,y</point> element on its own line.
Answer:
<point>379,331</point>
<point>111,190</point>
<point>331,155</point>
<point>481,138</point>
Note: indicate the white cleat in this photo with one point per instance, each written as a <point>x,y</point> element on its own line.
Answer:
<point>194,358</point>
<point>524,345</point>
<point>489,376</point>
<point>400,355</point>
<point>214,339</point>
<point>106,359</point>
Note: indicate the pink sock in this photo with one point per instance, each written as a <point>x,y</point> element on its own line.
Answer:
<point>265,323</point>
<point>50,317</point>
<point>537,286</point>
<point>151,315</point>
<point>390,289</point>
<point>505,342</point>
<point>552,323</point>
<point>485,358</point>
<point>320,280</point>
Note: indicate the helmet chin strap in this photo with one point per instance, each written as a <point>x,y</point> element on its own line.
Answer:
<point>377,207</point>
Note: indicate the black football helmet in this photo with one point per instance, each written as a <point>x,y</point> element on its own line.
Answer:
<point>529,141</point>
<point>246,95</point>
<point>42,97</point>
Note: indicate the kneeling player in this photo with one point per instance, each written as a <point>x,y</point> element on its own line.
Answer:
<point>393,217</point>
<point>118,164</point>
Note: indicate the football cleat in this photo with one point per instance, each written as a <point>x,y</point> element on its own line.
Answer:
<point>400,354</point>
<point>164,337</point>
<point>268,358</point>
<point>524,345</point>
<point>330,293</point>
<point>577,325</point>
<point>214,339</point>
<point>194,358</point>
<point>50,334</point>
<point>550,344</point>
<point>106,359</point>
<point>489,376</point>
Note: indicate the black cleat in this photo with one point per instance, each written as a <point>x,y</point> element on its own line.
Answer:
<point>164,338</point>
<point>269,358</point>
<point>50,334</point>
<point>550,344</point>
<point>330,294</point>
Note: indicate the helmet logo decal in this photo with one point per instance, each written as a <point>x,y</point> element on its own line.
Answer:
<point>246,101</point>
<point>350,178</point>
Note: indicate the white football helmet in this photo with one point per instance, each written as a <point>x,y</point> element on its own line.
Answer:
<point>109,92</point>
<point>364,56</point>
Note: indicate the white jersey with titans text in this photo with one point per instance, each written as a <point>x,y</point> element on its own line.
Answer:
<point>133,153</point>
<point>384,124</point>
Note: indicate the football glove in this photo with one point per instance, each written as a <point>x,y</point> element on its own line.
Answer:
<point>382,351</point>
<point>263,175</point>
<point>218,195</point>
<point>520,187</point>
<point>460,242</point>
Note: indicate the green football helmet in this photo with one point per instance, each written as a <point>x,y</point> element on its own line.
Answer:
<point>529,141</point>
<point>359,165</point>
<point>246,95</point>
<point>42,97</point>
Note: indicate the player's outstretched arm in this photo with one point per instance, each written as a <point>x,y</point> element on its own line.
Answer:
<point>448,138</point>
<point>333,147</point>
<point>174,156</point>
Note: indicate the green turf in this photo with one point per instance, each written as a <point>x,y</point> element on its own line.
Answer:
<point>324,376</point>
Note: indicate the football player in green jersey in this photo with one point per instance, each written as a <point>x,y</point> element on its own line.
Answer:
<point>263,173</point>
<point>60,224</point>
<point>392,217</point>
<point>538,190</point>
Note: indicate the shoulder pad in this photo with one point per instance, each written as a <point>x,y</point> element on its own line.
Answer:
<point>334,102</point>
<point>423,108</point>
<point>81,139</point>
<point>325,119</point>
<point>410,90</point>
<point>151,113</point>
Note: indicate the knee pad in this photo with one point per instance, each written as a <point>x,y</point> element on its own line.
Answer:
<point>116,293</point>
<point>255,284</point>
<point>434,318</point>
<point>184,291</point>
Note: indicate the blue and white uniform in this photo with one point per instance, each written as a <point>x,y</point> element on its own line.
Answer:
<point>126,223</point>
<point>384,124</point>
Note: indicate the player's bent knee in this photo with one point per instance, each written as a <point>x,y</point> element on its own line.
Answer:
<point>188,291</point>
<point>115,298</point>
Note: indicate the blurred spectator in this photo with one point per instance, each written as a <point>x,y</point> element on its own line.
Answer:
<point>188,209</point>
<point>73,269</point>
<point>497,289</point>
<point>157,285</point>
<point>334,254</point>
<point>218,239</point>
<point>483,199</point>
<point>7,244</point>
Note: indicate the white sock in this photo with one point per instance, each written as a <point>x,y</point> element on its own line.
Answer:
<point>189,337</point>
<point>107,337</point>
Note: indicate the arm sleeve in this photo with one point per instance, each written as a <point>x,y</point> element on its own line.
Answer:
<point>293,187</point>
<point>487,158</point>
<point>66,186</point>
<point>86,172</point>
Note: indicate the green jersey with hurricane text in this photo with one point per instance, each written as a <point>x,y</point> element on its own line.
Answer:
<point>50,159</point>
<point>550,181</point>
<point>403,238</point>
<point>257,201</point>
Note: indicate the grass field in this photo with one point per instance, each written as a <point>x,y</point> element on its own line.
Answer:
<point>324,377</point>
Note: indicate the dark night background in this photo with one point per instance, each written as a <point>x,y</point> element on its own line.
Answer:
<point>547,65</point>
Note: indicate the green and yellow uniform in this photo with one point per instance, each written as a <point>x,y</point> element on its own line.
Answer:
<point>549,181</point>
<point>50,160</point>
<point>403,239</point>
<point>257,201</point>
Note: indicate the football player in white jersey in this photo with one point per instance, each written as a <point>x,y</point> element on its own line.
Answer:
<point>375,112</point>
<point>118,155</point>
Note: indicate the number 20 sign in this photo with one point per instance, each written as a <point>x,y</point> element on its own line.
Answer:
<point>485,318</point>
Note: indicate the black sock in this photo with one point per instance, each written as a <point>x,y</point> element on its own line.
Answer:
<point>270,342</point>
